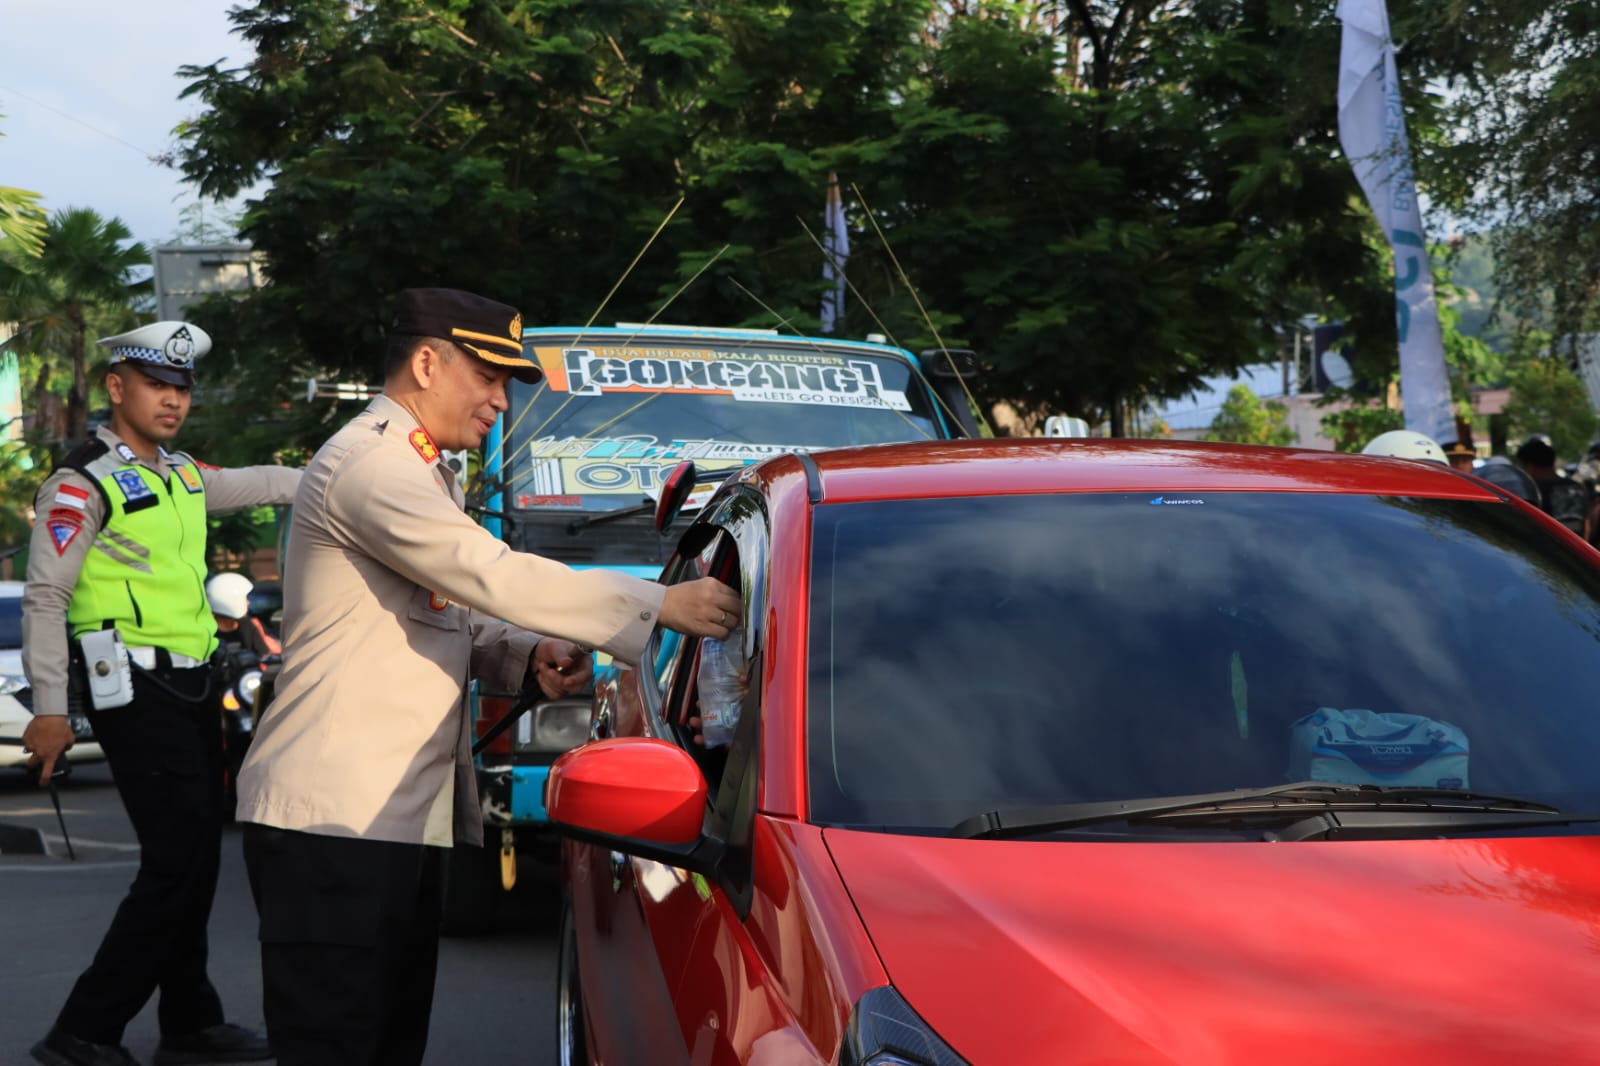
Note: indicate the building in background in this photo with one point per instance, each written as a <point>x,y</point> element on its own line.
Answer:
<point>187,273</point>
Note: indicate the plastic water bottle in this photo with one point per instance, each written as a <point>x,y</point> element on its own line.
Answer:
<point>722,685</point>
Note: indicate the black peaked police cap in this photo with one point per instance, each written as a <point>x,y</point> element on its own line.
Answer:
<point>490,330</point>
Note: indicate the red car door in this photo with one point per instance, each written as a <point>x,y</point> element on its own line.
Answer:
<point>636,918</point>
<point>676,943</point>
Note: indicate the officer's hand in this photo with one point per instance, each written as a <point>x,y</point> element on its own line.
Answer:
<point>561,667</point>
<point>46,738</point>
<point>701,608</point>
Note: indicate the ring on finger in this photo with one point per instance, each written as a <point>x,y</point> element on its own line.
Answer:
<point>722,617</point>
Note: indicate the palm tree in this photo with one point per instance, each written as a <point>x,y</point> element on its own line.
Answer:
<point>21,220</point>
<point>81,283</point>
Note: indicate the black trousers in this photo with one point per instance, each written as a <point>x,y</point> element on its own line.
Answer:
<point>165,754</point>
<point>349,945</point>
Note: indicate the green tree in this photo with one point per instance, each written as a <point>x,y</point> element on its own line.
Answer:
<point>1547,397</point>
<point>1246,419</point>
<point>1104,232</point>
<point>1525,111</point>
<point>82,285</point>
<point>1352,427</point>
<point>22,221</point>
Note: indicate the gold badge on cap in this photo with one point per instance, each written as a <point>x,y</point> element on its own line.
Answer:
<point>516,328</point>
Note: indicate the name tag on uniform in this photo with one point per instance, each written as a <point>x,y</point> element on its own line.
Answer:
<point>190,479</point>
<point>136,494</point>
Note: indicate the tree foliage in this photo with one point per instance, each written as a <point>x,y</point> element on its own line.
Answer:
<point>22,221</point>
<point>82,285</point>
<point>1109,201</point>
<point>1524,119</point>
<point>1351,428</point>
<point>1547,397</point>
<point>1246,419</point>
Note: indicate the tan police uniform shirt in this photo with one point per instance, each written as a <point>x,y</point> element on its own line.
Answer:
<point>392,598</point>
<point>53,568</point>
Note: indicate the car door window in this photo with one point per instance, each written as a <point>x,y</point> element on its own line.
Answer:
<point>737,555</point>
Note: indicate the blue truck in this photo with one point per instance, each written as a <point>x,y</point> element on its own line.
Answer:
<point>579,458</point>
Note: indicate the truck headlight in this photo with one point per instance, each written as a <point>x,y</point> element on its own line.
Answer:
<point>555,726</point>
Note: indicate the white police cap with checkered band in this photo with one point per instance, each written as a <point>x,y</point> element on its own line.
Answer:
<point>164,350</point>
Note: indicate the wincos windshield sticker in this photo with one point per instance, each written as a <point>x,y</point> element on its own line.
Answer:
<point>748,377</point>
<point>1176,501</point>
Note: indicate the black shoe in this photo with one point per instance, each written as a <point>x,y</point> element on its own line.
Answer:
<point>61,1048</point>
<point>216,1043</point>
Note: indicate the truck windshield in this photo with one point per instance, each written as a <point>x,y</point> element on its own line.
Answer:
<point>613,415</point>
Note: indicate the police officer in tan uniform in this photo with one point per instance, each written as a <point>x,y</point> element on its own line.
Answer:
<point>360,771</point>
<point>118,554</point>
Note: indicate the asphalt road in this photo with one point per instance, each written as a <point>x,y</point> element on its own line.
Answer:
<point>494,999</point>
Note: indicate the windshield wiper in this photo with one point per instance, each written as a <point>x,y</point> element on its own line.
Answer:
<point>1282,801</point>
<point>612,515</point>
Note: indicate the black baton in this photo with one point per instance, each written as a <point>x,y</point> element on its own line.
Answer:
<point>55,798</point>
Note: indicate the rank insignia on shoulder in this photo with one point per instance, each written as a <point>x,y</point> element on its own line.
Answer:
<point>190,479</point>
<point>424,445</point>
<point>125,453</point>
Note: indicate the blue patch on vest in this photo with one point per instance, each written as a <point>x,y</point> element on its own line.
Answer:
<point>135,493</point>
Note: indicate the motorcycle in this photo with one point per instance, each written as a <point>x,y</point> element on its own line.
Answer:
<point>246,682</point>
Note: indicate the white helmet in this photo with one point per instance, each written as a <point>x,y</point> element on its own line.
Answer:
<point>229,595</point>
<point>1405,444</point>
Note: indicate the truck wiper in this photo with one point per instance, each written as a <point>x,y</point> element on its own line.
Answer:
<point>596,518</point>
<point>1282,801</point>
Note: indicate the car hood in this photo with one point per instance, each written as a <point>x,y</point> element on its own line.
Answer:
<point>1460,951</point>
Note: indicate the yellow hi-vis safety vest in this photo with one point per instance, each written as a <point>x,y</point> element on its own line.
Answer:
<point>145,573</point>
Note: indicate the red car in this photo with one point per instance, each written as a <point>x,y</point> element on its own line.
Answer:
<point>1083,751</point>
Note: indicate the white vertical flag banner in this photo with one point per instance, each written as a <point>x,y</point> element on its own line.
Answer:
<point>835,250</point>
<point>1372,131</point>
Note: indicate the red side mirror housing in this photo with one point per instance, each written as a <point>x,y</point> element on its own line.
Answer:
<point>640,788</point>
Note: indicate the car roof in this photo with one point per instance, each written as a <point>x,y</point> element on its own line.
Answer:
<point>1036,464</point>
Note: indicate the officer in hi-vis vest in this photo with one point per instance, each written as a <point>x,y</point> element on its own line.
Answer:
<point>115,620</point>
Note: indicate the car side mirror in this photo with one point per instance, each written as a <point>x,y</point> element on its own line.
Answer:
<point>675,491</point>
<point>638,795</point>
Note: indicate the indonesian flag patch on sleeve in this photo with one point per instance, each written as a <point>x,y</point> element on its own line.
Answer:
<point>72,496</point>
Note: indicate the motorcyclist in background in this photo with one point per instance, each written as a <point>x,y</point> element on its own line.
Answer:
<point>1406,444</point>
<point>229,596</point>
<point>1588,473</point>
<point>1567,500</point>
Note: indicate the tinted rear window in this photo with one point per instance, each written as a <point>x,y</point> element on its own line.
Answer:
<point>977,653</point>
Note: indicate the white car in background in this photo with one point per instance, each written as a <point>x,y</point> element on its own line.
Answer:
<point>15,702</point>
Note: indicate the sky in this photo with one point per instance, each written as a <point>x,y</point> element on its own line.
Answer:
<point>89,92</point>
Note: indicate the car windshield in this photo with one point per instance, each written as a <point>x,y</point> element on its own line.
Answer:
<point>10,621</point>
<point>981,653</point>
<point>612,418</point>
